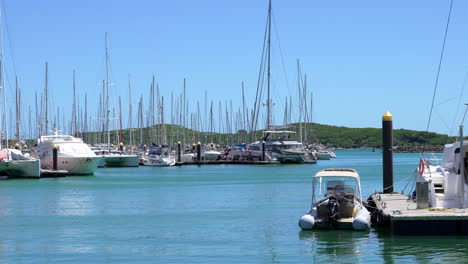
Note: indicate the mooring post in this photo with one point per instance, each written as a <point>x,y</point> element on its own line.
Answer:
<point>387,136</point>
<point>198,151</point>
<point>178,152</point>
<point>54,157</point>
<point>263,150</point>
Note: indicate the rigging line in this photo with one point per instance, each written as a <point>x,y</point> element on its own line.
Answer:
<point>459,102</point>
<point>281,52</point>
<point>464,115</point>
<point>261,74</point>
<point>9,37</point>
<point>440,64</point>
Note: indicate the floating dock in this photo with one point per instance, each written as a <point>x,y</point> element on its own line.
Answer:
<point>224,162</point>
<point>400,214</point>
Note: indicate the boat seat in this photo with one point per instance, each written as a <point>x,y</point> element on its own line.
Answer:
<point>346,209</point>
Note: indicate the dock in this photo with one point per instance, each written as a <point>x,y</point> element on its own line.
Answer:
<point>225,162</point>
<point>400,214</point>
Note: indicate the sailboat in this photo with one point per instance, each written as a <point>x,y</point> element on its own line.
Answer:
<point>12,161</point>
<point>280,148</point>
<point>115,158</point>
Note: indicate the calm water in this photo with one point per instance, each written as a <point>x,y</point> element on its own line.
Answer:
<point>207,214</point>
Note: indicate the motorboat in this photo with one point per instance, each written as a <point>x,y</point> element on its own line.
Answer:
<point>158,158</point>
<point>73,155</point>
<point>336,202</point>
<point>211,154</point>
<point>13,163</point>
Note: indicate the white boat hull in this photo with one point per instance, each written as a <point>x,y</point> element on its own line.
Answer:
<point>121,160</point>
<point>73,165</point>
<point>323,155</point>
<point>210,155</point>
<point>21,168</point>
<point>160,162</point>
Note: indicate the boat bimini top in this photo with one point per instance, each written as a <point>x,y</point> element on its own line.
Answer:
<point>337,173</point>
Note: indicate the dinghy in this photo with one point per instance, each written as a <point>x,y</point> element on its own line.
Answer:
<point>336,202</point>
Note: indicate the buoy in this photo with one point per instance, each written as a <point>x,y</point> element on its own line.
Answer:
<point>421,166</point>
<point>306,222</point>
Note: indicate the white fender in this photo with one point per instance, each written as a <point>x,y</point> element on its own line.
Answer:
<point>362,220</point>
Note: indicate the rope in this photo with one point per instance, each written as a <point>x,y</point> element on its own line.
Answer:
<point>438,70</point>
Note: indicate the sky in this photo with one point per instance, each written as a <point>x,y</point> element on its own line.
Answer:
<point>362,58</point>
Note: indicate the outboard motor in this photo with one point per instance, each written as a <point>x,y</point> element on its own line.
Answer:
<point>333,212</point>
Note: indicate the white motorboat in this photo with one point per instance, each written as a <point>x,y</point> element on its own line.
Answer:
<point>336,202</point>
<point>14,164</point>
<point>73,155</point>
<point>159,160</point>
<point>158,157</point>
<point>210,155</point>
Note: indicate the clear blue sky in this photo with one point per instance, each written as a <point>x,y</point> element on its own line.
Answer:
<point>362,58</point>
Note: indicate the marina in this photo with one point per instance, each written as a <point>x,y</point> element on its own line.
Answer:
<point>156,132</point>
<point>181,214</point>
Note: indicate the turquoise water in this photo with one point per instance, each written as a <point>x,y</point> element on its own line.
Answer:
<point>200,214</point>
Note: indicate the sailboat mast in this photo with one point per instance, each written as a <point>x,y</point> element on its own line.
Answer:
<point>268,74</point>
<point>46,99</point>
<point>18,114</point>
<point>164,136</point>
<point>74,130</point>
<point>107,95</point>
<point>130,110</point>
<point>120,114</point>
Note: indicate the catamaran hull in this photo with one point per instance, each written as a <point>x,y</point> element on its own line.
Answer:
<point>122,161</point>
<point>21,168</point>
<point>73,165</point>
<point>291,158</point>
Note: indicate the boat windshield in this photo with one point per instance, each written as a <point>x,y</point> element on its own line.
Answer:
<point>324,187</point>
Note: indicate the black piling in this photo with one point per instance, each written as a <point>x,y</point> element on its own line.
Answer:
<point>198,151</point>
<point>54,158</point>
<point>263,150</point>
<point>179,154</point>
<point>387,136</point>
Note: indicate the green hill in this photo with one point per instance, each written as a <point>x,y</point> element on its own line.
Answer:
<point>335,136</point>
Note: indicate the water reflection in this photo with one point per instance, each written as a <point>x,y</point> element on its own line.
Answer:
<point>335,245</point>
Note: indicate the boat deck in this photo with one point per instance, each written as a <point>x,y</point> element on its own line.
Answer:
<point>403,216</point>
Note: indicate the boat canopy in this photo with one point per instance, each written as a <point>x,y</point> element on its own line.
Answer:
<point>337,173</point>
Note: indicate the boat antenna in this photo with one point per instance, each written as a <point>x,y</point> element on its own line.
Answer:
<point>438,71</point>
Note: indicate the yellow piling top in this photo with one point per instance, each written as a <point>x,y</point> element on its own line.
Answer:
<point>387,116</point>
